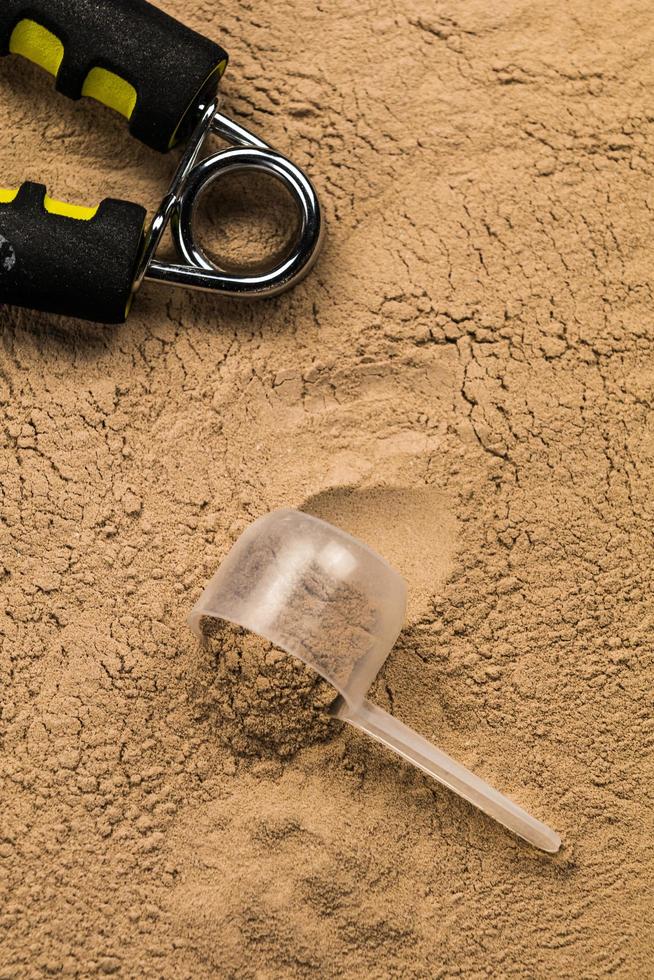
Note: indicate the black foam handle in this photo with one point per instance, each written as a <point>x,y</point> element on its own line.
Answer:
<point>76,267</point>
<point>171,67</point>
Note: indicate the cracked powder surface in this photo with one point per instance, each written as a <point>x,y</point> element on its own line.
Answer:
<point>465,380</point>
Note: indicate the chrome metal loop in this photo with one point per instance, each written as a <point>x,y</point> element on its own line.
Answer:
<point>179,208</point>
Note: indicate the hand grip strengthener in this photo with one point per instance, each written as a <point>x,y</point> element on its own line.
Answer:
<point>163,77</point>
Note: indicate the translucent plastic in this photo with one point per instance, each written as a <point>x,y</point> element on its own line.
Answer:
<point>417,750</point>
<point>318,593</point>
<point>314,591</point>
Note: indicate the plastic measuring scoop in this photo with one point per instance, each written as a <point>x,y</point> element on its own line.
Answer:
<point>325,597</point>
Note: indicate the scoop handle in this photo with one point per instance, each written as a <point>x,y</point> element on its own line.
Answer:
<point>417,750</point>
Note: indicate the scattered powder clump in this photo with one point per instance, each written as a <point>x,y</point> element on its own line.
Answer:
<point>263,701</point>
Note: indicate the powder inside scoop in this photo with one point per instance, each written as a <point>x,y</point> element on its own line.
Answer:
<point>264,701</point>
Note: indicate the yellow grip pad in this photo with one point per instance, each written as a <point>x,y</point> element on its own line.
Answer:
<point>38,45</point>
<point>44,48</point>
<point>110,89</point>
<point>76,211</point>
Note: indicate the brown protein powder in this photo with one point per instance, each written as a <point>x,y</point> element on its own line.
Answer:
<point>262,701</point>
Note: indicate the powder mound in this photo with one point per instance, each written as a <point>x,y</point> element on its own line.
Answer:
<point>264,701</point>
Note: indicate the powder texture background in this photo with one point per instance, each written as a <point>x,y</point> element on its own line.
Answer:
<point>466,380</point>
